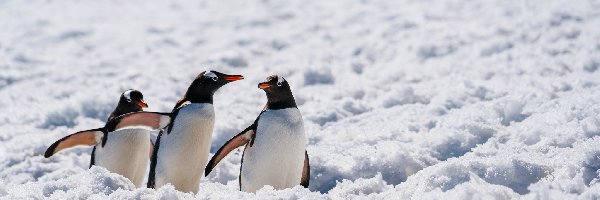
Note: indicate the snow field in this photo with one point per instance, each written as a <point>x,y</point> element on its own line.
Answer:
<point>401,99</point>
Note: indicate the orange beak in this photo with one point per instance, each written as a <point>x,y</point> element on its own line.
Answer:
<point>234,77</point>
<point>141,104</point>
<point>265,85</point>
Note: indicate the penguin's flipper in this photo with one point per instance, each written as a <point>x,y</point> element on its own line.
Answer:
<point>87,137</point>
<point>153,138</point>
<point>305,171</point>
<point>152,120</point>
<point>239,140</point>
<point>151,149</point>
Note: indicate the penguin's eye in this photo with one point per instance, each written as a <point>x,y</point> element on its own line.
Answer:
<point>280,81</point>
<point>211,75</point>
<point>127,95</point>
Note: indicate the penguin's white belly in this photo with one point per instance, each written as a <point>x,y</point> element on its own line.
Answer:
<point>183,153</point>
<point>277,156</point>
<point>126,152</point>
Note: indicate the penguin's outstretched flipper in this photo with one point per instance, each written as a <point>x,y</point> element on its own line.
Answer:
<point>87,137</point>
<point>150,120</point>
<point>305,171</point>
<point>239,140</point>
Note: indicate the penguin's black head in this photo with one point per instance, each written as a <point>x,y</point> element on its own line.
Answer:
<point>279,94</point>
<point>207,83</point>
<point>132,100</point>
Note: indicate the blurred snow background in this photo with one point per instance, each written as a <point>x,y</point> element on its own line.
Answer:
<point>401,99</point>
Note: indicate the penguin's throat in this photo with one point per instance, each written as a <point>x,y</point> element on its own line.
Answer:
<point>124,109</point>
<point>208,98</point>
<point>201,93</point>
<point>281,103</point>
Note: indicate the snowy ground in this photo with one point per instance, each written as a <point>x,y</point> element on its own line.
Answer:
<point>401,99</point>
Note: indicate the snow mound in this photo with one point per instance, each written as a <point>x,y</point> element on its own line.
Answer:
<point>94,183</point>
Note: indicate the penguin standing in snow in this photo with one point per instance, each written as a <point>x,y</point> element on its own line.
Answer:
<point>123,145</point>
<point>275,144</point>
<point>182,150</point>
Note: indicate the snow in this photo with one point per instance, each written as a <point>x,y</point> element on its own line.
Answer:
<point>401,99</point>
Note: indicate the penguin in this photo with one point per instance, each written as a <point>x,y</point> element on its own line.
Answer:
<point>182,149</point>
<point>275,144</point>
<point>119,146</point>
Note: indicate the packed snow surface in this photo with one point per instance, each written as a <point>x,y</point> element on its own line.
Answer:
<point>401,99</point>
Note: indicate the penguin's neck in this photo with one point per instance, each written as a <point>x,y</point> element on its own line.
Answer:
<point>120,110</point>
<point>200,94</point>
<point>201,99</point>
<point>281,103</point>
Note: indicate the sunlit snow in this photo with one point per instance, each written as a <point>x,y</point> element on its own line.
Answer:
<point>452,99</point>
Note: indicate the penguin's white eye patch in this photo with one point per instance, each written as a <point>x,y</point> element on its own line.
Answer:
<point>127,95</point>
<point>212,75</point>
<point>280,81</point>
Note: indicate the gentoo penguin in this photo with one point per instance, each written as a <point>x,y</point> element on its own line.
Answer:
<point>182,149</point>
<point>275,152</point>
<point>119,146</point>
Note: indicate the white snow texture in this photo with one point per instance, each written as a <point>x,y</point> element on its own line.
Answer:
<point>457,99</point>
